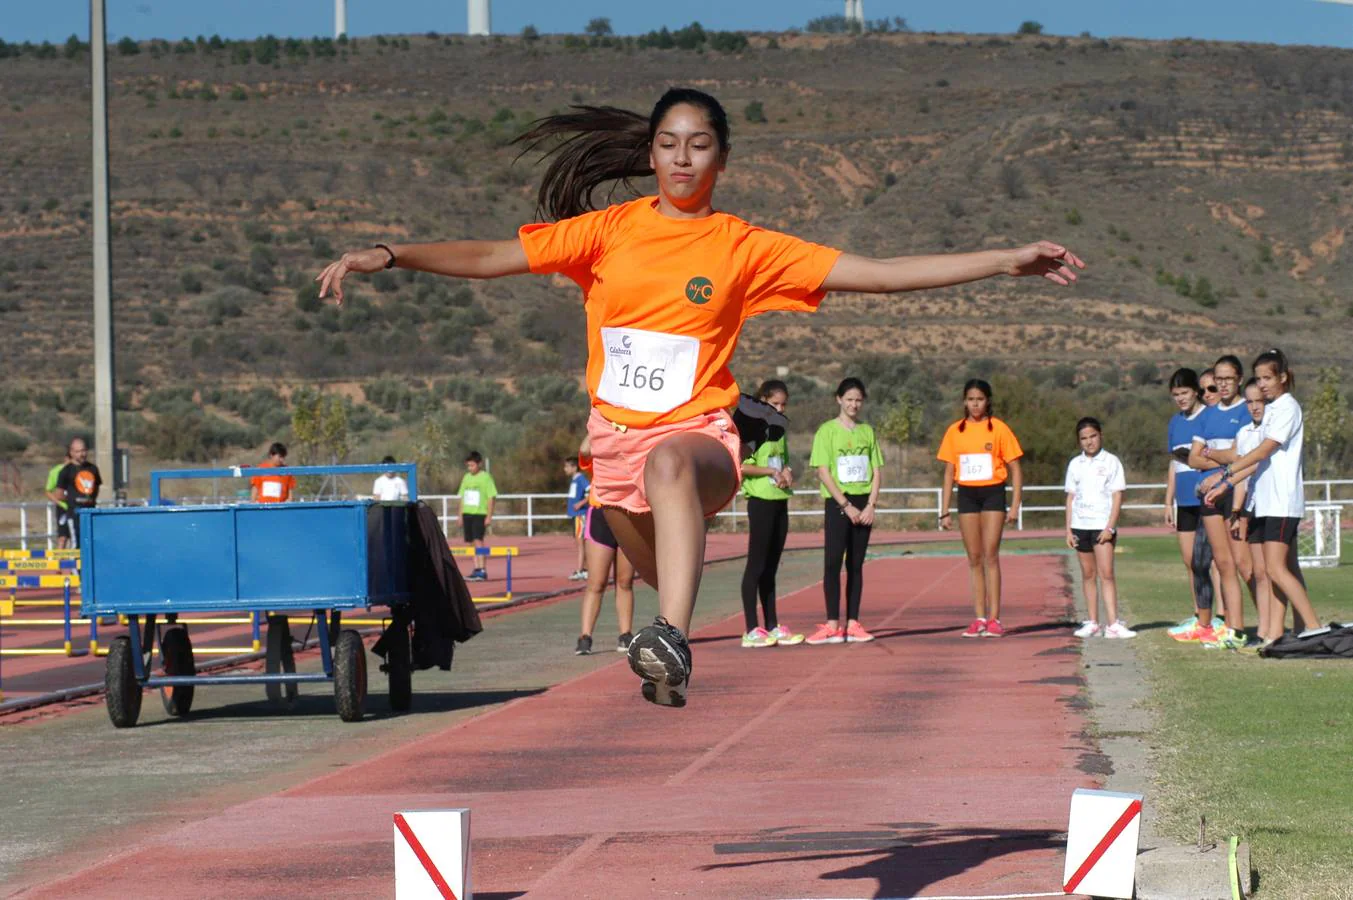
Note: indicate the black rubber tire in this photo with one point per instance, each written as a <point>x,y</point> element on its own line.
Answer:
<point>350,676</point>
<point>176,650</point>
<point>399,667</point>
<point>280,658</point>
<point>122,692</point>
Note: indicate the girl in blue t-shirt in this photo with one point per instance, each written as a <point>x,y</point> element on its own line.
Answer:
<point>1221,423</point>
<point>1182,503</point>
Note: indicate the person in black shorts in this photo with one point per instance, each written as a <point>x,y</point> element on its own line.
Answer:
<point>979,453</point>
<point>603,554</point>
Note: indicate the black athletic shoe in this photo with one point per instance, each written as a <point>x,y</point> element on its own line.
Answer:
<point>622,643</point>
<point>757,421</point>
<point>584,645</point>
<point>660,655</point>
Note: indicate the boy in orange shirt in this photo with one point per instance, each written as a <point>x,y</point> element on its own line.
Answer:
<point>668,283</point>
<point>273,488</point>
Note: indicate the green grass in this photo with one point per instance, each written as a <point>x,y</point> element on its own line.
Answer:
<point>1261,747</point>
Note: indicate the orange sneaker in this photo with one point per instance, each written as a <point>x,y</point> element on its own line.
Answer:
<point>825,634</point>
<point>855,634</point>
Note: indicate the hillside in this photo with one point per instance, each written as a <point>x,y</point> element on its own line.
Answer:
<point>1206,184</point>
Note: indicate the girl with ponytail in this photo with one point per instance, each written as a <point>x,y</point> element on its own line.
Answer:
<point>979,453</point>
<point>667,283</point>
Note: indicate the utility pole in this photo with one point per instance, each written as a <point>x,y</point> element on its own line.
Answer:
<point>105,435</point>
<point>340,18</point>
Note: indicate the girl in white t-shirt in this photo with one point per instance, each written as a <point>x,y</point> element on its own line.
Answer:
<point>1094,498</point>
<point>1242,520</point>
<point>1277,484</point>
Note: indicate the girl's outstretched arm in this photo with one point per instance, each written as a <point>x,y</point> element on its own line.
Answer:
<point>459,259</point>
<point>912,273</point>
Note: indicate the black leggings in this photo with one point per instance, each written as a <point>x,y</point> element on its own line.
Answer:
<point>768,526</point>
<point>849,542</point>
<point>1202,568</point>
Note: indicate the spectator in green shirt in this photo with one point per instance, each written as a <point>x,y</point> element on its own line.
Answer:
<point>476,493</point>
<point>767,483</point>
<point>848,459</point>
<point>58,498</point>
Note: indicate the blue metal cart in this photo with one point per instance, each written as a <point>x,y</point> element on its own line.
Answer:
<point>155,563</point>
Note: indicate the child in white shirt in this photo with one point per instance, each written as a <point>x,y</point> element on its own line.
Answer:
<point>1094,498</point>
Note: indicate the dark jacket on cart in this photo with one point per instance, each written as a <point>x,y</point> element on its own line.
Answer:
<point>442,611</point>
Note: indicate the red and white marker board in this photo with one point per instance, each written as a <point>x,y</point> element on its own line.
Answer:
<point>432,854</point>
<point>1101,843</point>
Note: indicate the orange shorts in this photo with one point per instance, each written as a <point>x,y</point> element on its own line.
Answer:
<point>618,456</point>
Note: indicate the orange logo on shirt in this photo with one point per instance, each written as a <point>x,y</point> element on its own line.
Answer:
<point>84,482</point>
<point>700,290</point>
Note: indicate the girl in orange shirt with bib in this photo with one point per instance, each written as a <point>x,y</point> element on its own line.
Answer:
<point>668,282</point>
<point>979,452</point>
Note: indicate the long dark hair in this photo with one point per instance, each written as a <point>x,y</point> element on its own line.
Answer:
<point>985,388</point>
<point>599,144</point>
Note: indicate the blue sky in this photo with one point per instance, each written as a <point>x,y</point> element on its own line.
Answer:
<point>1279,21</point>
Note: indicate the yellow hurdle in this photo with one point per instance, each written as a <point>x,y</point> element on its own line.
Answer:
<point>40,565</point>
<point>501,598</point>
<point>38,581</point>
<point>39,554</point>
<point>493,551</point>
<point>6,607</point>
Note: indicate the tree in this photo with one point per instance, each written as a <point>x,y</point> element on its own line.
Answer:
<point>832,25</point>
<point>529,34</point>
<point>128,47</point>
<point>755,112</point>
<point>1029,26</point>
<point>599,27</point>
<point>902,424</point>
<point>1328,412</point>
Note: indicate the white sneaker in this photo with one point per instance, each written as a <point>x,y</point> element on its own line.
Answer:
<point>579,575</point>
<point>1119,630</point>
<point>1088,629</point>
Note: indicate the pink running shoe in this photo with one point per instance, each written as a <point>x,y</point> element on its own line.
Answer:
<point>825,634</point>
<point>855,634</point>
<point>976,629</point>
<point>994,629</point>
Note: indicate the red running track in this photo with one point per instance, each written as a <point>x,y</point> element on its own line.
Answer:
<point>540,571</point>
<point>918,765</point>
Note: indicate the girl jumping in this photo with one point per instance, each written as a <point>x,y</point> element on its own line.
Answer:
<point>667,283</point>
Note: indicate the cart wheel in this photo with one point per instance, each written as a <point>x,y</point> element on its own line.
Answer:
<point>350,676</point>
<point>122,692</point>
<point>281,658</point>
<point>177,651</point>
<point>399,668</point>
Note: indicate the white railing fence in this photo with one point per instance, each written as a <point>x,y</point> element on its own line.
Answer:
<point>35,523</point>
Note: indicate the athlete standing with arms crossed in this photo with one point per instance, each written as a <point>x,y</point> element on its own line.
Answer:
<point>668,282</point>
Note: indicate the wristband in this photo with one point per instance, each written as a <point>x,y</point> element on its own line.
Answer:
<point>389,263</point>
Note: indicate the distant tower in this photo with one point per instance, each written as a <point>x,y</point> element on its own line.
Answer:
<point>477,14</point>
<point>340,18</point>
<point>855,12</point>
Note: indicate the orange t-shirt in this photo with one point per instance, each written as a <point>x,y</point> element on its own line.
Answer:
<point>666,299</point>
<point>273,488</point>
<point>979,456</point>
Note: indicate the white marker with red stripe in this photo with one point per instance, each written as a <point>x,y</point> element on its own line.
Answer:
<point>432,854</point>
<point>1101,843</point>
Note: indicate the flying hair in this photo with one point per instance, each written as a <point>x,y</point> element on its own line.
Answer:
<point>594,145</point>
